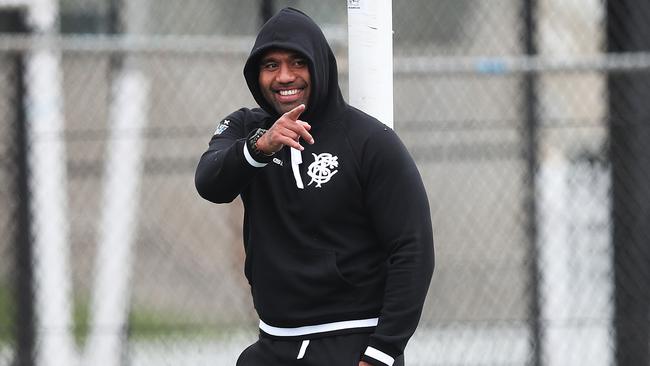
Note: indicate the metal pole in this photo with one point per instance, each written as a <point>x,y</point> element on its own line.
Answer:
<point>267,9</point>
<point>25,317</point>
<point>532,163</point>
<point>114,28</point>
<point>628,30</point>
<point>23,326</point>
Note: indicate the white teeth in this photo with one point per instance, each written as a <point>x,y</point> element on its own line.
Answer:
<point>288,92</point>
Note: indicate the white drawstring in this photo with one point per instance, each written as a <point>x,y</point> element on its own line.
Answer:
<point>296,159</point>
<point>303,349</point>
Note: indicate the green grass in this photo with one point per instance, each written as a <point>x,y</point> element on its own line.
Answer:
<point>80,315</point>
<point>6,314</point>
<point>144,323</point>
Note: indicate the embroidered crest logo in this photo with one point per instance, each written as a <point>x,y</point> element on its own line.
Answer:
<point>321,170</point>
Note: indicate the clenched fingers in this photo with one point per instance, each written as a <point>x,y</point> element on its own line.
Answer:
<point>288,133</point>
<point>301,128</point>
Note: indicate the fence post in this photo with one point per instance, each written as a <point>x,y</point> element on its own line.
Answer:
<point>628,30</point>
<point>267,9</point>
<point>128,117</point>
<point>11,21</point>
<point>532,163</point>
<point>370,57</point>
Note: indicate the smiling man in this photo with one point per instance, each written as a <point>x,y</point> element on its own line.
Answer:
<point>284,79</point>
<point>337,228</point>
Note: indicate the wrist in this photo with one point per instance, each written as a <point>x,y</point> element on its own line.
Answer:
<point>262,147</point>
<point>252,143</point>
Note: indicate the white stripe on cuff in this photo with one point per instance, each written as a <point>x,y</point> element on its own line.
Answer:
<point>319,328</point>
<point>250,159</point>
<point>379,356</point>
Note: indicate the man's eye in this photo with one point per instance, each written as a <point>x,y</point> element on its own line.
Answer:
<point>269,65</point>
<point>300,62</point>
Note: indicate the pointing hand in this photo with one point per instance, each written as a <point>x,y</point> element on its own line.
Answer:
<point>286,131</point>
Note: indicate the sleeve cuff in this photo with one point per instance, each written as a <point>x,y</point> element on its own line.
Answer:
<point>250,160</point>
<point>377,357</point>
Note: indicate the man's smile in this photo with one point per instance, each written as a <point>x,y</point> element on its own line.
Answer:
<point>288,95</point>
<point>288,92</point>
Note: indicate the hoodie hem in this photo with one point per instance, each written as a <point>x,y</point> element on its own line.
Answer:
<point>318,328</point>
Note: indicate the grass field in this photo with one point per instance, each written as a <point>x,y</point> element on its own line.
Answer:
<point>144,323</point>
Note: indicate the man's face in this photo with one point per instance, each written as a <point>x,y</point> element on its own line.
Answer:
<point>284,79</point>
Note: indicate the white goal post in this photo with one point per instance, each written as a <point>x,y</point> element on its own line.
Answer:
<point>370,57</point>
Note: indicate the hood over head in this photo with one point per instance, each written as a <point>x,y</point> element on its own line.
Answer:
<point>291,29</point>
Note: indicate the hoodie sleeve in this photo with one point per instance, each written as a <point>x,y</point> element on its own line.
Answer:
<point>227,167</point>
<point>399,208</point>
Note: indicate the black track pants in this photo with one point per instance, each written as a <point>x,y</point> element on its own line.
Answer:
<point>343,350</point>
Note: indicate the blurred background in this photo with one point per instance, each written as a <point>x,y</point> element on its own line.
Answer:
<point>529,121</point>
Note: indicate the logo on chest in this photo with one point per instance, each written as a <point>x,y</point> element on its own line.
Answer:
<point>322,169</point>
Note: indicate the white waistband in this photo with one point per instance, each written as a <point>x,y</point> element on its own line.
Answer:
<point>318,328</point>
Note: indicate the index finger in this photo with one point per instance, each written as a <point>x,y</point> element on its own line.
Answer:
<point>295,113</point>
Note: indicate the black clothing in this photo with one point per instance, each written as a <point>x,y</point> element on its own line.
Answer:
<point>341,242</point>
<point>342,350</point>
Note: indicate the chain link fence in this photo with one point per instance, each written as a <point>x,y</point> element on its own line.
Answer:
<point>528,121</point>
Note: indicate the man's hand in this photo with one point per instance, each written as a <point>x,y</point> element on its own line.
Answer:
<point>287,130</point>
<point>364,363</point>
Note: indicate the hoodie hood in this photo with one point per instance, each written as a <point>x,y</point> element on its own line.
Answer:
<point>291,29</point>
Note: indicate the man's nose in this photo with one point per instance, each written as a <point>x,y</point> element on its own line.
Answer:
<point>285,75</point>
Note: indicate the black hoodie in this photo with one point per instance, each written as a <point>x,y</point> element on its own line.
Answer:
<point>341,242</point>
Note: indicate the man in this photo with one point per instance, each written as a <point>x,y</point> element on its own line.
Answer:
<point>337,228</point>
